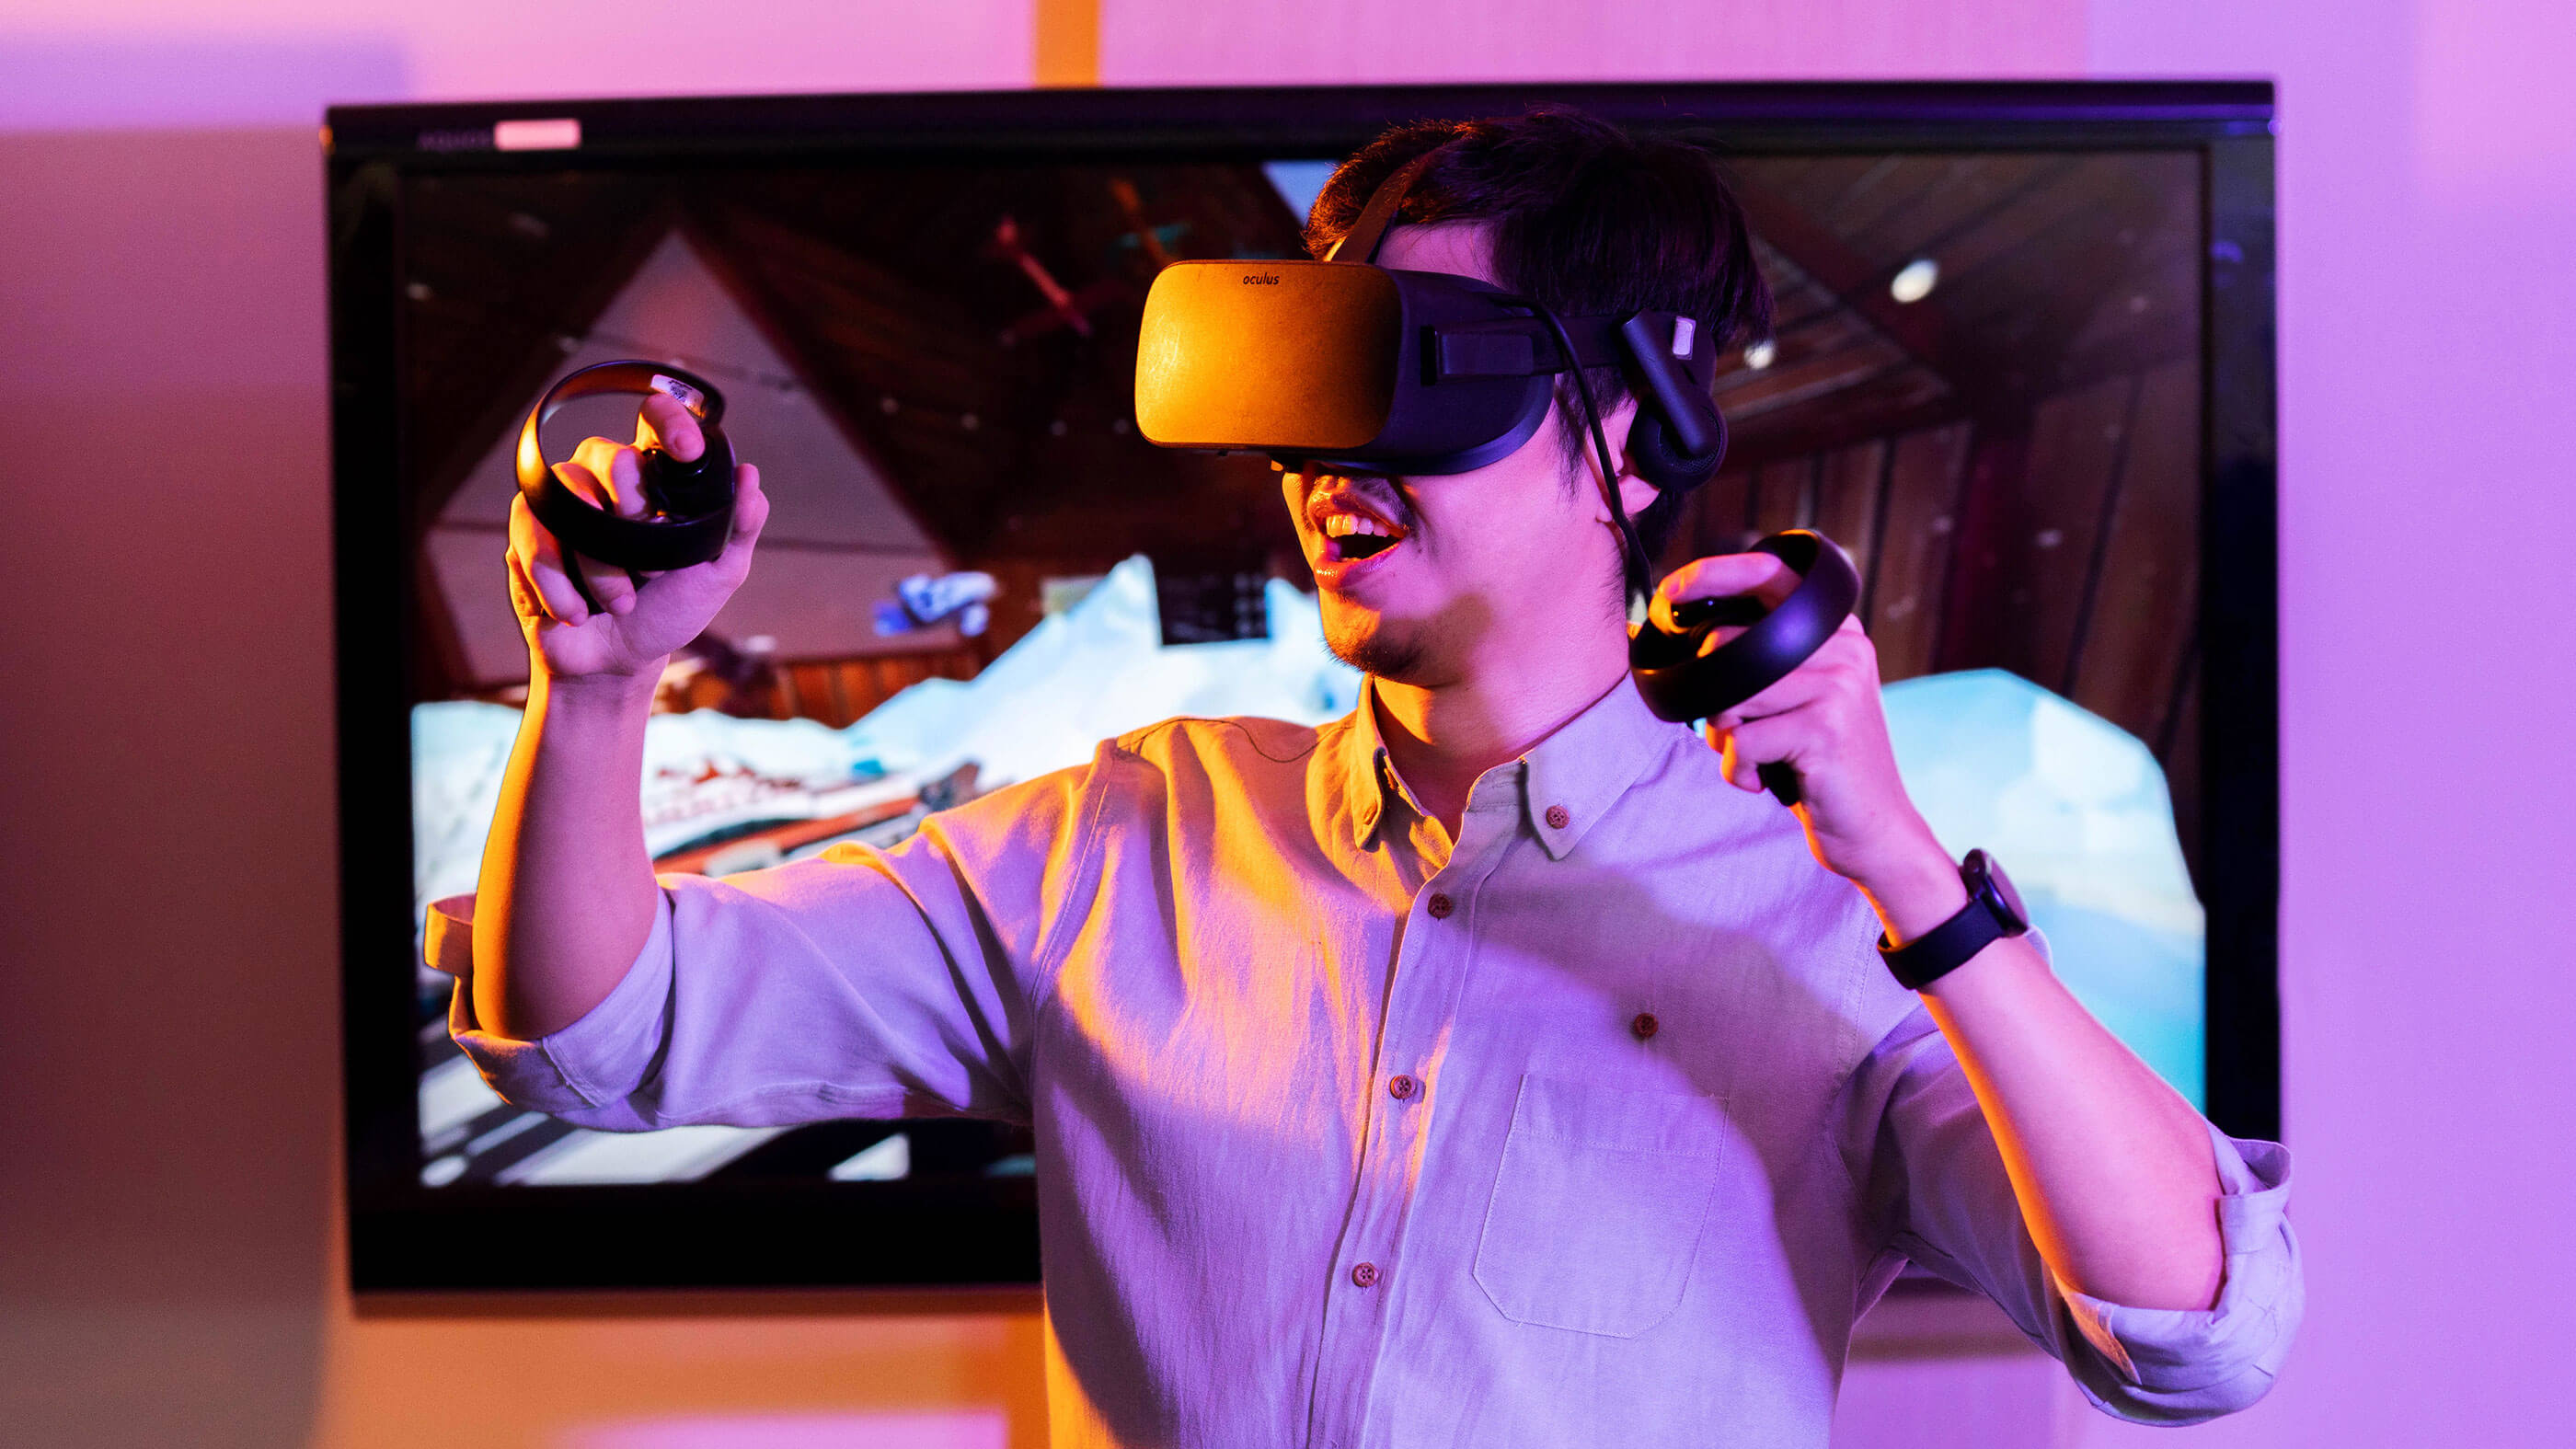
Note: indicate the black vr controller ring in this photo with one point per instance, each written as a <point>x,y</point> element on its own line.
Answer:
<point>691,503</point>
<point>1685,674</point>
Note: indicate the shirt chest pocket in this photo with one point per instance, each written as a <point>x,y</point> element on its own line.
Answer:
<point>1598,1205</point>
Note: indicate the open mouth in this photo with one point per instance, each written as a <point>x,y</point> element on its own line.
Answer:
<point>1358,536</point>
<point>1355,529</point>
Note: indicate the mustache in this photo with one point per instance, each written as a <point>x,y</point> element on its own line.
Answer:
<point>1380,493</point>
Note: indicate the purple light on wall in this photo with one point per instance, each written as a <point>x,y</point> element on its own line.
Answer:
<point>104,83</point>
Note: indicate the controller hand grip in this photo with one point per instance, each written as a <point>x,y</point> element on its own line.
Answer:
<point>1686,674</point>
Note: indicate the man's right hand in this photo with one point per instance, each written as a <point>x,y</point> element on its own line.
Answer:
<point>645,620</point>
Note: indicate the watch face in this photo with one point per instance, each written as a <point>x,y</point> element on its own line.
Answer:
<point>1995,886</point>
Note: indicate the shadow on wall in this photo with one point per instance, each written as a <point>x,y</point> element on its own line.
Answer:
<point>169,902</point>
<point>168,908</point>
<point>75,82</point>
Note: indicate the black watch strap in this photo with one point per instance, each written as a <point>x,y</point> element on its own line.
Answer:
<point>1987,917</point>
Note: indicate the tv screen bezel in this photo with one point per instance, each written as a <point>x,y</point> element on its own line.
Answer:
<point>405,1238</point>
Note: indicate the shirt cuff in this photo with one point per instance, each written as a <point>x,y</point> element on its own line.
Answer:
<point>599,1059</point>
<point>2181,1350</point>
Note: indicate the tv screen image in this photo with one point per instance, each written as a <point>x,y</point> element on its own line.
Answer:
<point>1987,381</point>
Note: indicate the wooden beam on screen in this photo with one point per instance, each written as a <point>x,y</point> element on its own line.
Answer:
<point>1910,576</point>
<point>1851,484</point>
<point>1784,494</point>
<point>2141,614</point>
<point>2087,238</point>
<point>855,331</point>
<point>1068,43</point>
<point>496,288</point>
<point>2028,537</point>
<point>1920,329</point>
<point>1718,519</point>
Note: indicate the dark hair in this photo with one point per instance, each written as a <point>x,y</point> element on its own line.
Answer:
<point>1585,219</point>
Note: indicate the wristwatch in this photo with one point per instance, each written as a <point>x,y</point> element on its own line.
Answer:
<point>1993,910</point>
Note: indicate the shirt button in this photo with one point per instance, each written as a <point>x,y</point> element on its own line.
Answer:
<point>1441,906</point>
<point>1364,1274</point>
<point>1644,1026</point>
<point>1557,818</point>
<point>1401,1086</point>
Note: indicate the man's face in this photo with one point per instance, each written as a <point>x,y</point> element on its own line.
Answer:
<point>1419,577</point>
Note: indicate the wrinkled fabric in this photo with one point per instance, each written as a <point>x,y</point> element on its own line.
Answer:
<point>1600,1125</point>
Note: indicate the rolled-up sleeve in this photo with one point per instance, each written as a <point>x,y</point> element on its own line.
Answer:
<point>1943,1199</point>
<point>585,1071</point>
<point>861,983</point>
<point>2179,1365</point>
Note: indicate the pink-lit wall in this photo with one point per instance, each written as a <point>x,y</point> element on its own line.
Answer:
<point>1164,42</point>
<point>168,1271</point>
<point>2428,522</point>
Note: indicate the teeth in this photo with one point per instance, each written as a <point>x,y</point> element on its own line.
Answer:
<point>1343,525</point>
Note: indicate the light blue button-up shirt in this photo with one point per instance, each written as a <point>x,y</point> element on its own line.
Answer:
<point>1600,1126</point>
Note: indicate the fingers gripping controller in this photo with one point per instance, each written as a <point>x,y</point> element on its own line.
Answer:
<point>1687,674</point>
<point>688,505</point>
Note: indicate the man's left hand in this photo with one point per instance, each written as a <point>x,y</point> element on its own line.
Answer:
<point>1824,721</point>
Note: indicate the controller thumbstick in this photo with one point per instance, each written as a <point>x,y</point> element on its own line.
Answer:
<point>1728,611</point>
<point>684,490</point>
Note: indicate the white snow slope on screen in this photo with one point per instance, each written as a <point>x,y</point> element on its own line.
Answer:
<point>1101,669</point>
<point>2077,811</point>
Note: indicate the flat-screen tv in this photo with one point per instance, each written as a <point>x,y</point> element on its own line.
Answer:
<point>2022,371</point>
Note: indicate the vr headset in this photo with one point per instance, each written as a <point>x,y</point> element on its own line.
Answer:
<point>1347,365</point>
<point>1344,364</point>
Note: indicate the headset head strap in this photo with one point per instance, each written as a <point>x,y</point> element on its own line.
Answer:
<point>1369,232</point>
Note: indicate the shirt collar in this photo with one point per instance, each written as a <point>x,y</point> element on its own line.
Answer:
<point>1579,772</point>
<point>1573,775</point>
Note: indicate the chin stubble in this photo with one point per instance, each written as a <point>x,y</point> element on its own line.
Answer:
<point>1376,653</point>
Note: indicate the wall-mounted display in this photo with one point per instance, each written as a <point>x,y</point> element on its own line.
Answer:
<point>2021,370</point>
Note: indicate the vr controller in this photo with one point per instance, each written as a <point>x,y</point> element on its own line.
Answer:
<point>1685,673</point>
<point>1344,364</point>
<point>688,507</point>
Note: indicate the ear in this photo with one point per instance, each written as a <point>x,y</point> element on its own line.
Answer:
<point>1635,493</point>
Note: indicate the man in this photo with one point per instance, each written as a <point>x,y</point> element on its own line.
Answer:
<point>1497,1065</point>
